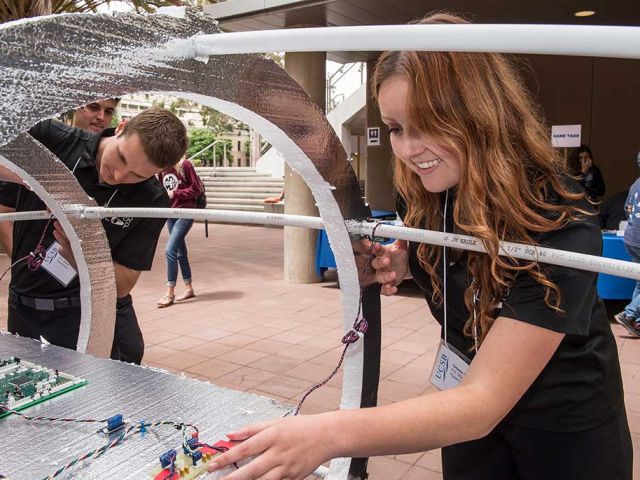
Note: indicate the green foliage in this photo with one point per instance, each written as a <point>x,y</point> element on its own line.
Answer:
<point>115,120</point>
<point>181,104</point>
<point>200,138</point>
<point>219,122</point>
<point>211,118</point>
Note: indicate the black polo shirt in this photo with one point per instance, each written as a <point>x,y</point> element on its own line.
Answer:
<point>132,240</point>
<point>581,386</point>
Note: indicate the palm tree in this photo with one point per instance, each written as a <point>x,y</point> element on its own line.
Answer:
<point>17,9</point>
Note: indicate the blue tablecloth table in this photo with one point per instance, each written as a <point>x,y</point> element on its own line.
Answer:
<point>610,287</point>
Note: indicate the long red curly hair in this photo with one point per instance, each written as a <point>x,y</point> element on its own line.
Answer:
<point>475,105</point>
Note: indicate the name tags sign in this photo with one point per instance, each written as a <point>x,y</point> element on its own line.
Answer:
<point>57,265</point>
<point>566,135</point>
<point>373,136</point>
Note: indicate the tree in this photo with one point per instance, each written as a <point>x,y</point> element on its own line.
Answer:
<point>219,122</point>
<point>17,9</point>
<point>200,138</point>
<point>212,118</point>
<point>181,104</point>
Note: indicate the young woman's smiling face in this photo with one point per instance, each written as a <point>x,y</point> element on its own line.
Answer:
<point>437,168</point>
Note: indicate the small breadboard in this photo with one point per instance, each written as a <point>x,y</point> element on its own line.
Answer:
<point>24,384</point>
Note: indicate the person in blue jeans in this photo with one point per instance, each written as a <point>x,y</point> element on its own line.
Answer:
<point>183,187</point>
<point>630,317</point>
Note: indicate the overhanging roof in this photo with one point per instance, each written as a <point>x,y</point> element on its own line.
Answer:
<point>248,15</point>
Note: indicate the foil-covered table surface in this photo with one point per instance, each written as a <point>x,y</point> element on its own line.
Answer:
<point>33,450</point>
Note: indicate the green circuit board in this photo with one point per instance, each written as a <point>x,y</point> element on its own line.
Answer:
<point>24,384</point>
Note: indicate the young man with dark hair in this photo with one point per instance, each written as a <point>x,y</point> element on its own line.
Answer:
<point>117,170</point>
<point>95,116</point>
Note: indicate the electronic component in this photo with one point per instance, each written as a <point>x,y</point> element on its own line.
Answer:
<point>115,423</point>
<point>167,459</point>
<point>23,384</point>
<point>188,466</point>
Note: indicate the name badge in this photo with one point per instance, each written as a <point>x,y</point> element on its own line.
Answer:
<point>449,368</point>
<point>57,265</point>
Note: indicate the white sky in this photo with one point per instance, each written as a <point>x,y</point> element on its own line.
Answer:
<point>350,82</point>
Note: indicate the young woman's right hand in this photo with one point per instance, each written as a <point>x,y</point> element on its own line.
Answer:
<point>391,265</point>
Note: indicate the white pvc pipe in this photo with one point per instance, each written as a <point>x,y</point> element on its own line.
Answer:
<point>592,263</point>
<point>224,216</point>
<point>581,40</point>
<point>563,258</point>
<point>21,216</point>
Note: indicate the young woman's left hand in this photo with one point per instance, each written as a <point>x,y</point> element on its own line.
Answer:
<point>290,448</point>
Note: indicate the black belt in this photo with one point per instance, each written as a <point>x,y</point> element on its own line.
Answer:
<point>44,304</point>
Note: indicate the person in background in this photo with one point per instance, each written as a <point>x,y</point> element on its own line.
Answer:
<point>95,116</point>
<point>277,199</point>
<point>183,187</point>
<point>612,211</point>
<point>629,318</point>
<point>590,175</point>
<point>527,369</point>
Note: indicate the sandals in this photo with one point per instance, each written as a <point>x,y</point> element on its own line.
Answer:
<point>169,300</point>
<point>166,301</point>
<point>186,295</point>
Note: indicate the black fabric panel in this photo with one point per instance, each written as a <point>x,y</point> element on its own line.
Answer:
<point>371,309</point>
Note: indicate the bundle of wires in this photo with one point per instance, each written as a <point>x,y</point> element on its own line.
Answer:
<point>52,419</point>
<point>357,331</point>
<point>125,432</point>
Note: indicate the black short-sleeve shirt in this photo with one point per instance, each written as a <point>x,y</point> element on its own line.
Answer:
<point>9,194</point>
<point>132,240</point>
<point>581,386</point>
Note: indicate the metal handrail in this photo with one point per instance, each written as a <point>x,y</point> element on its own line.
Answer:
<point>211,145</point>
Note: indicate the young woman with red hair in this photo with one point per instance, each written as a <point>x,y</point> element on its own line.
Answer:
<point>538,391</point>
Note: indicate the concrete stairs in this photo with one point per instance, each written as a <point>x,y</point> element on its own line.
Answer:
<point>238,188</point>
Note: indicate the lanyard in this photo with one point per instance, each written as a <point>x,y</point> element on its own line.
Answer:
<point>445,267</point>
